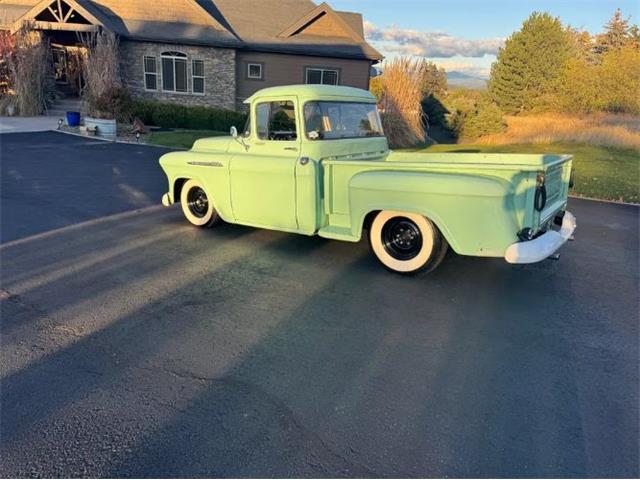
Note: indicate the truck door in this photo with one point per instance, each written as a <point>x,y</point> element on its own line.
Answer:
<point>263,184</point>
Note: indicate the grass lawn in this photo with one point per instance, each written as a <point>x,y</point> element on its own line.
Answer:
<point>181,138</point>
<point>609,173</point>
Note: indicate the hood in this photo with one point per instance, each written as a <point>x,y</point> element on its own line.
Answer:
<point>215,144</point>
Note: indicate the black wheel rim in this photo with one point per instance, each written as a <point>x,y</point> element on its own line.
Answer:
<point>401,238</point>
<point>197,202</point>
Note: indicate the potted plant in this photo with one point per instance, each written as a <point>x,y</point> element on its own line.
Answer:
<point>105,99</point>
<point>106,109</point>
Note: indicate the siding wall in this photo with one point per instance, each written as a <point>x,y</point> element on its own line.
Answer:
<point>281,69</point>
<point>219,70</point>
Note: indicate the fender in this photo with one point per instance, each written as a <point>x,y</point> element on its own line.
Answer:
<point>210,169</point>
<point>460,205</point>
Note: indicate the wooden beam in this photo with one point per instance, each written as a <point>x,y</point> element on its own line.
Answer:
<point>70,27</point>
<point>69,13</point>
<point>52,12</point>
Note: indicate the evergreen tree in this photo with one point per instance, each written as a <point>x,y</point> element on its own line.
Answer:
<point>435,80</point>
<point>529,67</point>
<point>617,33</point>
<point>434,89</point>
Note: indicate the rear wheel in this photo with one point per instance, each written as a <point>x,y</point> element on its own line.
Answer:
<point>406,242</point>
<point>197,206</point>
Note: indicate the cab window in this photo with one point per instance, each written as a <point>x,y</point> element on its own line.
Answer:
<point>276,121</point>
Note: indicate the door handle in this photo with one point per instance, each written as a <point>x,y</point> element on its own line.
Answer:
<point>293,149</point>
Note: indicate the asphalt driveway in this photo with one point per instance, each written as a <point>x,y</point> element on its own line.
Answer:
<point>50,180</point>
<point>135,345</point>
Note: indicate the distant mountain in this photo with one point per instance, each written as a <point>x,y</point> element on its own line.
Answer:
<point>460,79</point>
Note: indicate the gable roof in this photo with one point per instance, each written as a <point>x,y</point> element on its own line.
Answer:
<point>310,18</point>
<point>260,23</point>
<point>171,21</point>
<point>45,5</point>
<point>286,26</point>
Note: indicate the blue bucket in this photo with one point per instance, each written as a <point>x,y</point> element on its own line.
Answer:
<point>73,119</point>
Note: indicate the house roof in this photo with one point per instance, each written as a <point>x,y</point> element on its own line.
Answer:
<point>264,25</point>
<point>287,26</point>
<point>12,11</point>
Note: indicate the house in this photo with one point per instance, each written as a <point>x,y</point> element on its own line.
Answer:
<point>205,52</point>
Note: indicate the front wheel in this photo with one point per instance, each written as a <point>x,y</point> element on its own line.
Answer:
<point>406,242</point>
<point>197,206</point>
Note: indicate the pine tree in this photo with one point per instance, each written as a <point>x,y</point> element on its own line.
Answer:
<point>435,80</point>
<point>529,67</point>
<point>617,32</point>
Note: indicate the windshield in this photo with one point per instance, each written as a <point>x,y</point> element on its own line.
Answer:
<point>335,120</point>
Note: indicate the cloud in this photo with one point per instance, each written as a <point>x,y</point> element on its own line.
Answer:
<point>402,41</point>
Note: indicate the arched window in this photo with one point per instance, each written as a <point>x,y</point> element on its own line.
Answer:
<point>174,72</point>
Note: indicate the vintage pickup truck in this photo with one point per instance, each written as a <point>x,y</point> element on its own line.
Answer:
<point>313,160</point>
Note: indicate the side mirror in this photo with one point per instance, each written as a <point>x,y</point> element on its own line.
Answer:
<point>238,138</point>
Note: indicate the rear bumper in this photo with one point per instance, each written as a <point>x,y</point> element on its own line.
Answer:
<point>542,247</point>
<point>166,200</point>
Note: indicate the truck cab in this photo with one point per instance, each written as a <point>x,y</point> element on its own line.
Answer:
<point>313,159</point>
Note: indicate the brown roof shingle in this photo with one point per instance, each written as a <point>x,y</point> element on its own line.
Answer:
<point>249,24</point>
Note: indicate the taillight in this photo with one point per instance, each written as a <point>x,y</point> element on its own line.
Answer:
<point>540,199</point>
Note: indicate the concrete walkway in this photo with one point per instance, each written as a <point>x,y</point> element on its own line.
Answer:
<point>27,124</point>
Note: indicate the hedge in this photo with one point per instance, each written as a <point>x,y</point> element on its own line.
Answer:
<point>172,115</point>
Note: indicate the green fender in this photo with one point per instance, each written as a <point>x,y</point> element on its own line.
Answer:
<point>210,169</point>
<point>461,206</point>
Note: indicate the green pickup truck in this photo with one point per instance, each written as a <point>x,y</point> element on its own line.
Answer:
<point>313,159</point>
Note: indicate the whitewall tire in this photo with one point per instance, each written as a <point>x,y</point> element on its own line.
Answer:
<point>406,242</point>
<point>197,206</point>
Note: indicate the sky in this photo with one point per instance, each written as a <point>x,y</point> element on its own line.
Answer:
<point>464,35</point>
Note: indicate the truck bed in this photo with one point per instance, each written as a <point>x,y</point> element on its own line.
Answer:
<point>464,192</point>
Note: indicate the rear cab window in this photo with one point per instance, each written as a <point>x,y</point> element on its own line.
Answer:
<point>328,120</point>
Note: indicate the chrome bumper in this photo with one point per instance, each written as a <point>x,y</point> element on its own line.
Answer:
<point>166,200</point>
<point>542,247</point>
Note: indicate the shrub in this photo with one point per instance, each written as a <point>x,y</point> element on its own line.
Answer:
<point>7,52</point>
<point>375,87</point>
<point>610,85</point>
<point>473,115</point>
<point>8,104</point>
<point>113,103</point>
<point>485,119</point>
<point>30,71</point>
<point>101,71</point>
<point>173,115</point>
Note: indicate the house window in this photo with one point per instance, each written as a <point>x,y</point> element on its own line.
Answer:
<point>150,73</point>
<point>254,71</point>
<point>174,72</point>
<point>198,76</point>
<point>324,76</point>
<point>276,121</point>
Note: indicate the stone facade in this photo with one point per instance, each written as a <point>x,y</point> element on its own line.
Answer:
<point>219,72</point>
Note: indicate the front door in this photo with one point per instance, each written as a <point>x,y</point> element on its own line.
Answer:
<point>60,71</point>
<point>263,184</point>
